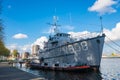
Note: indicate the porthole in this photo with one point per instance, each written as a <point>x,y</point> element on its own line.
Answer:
<point>98,41</point>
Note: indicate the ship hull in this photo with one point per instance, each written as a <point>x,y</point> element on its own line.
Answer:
<point>66,69</point>
<point>79,55</point>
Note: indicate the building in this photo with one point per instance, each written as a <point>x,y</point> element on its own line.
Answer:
<point>25,55</point>
<point>35,49</point>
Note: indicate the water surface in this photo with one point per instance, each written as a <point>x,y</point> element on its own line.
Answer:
<point>109,70</point>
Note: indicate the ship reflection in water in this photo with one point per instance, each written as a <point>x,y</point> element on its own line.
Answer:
<point>56,75</point>
<point>70,76</point>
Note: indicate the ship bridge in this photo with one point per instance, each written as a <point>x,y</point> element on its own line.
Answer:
<point>62,35</point>
<point>59,36</point>
<point>58,39</point>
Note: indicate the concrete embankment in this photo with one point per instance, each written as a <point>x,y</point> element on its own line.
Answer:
<point>8,72</point>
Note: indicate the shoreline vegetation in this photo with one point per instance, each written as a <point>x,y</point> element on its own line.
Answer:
<point>110,56</point>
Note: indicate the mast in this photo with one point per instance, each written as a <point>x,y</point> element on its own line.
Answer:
<point>101,24</point>
<point>54,24</point>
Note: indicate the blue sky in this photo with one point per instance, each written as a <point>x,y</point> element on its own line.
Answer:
<point>25,20</point>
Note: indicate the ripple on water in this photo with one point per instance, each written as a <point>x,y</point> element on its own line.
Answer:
<point>110,70</point>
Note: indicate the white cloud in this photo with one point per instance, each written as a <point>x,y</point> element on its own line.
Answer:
<point>113,34</point>
<point>40,41</point>
<point>20,36</point>
<point>103,6</point>
<point>78,34</point>
<point>112,39</point>
<point>26,48</point>
<point>51,30</point>
<point>12,46</point>
<point>82,35</point>
<point>21,49</point>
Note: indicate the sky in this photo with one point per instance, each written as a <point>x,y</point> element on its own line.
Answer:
<point>25,21</point>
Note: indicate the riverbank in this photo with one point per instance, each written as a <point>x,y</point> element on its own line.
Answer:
<point>8,72</point>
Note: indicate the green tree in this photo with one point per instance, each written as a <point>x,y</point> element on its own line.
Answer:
<point>1,25</point>
<point>3,50</point>
<point>15,53</point>
<point>6,52</point>
<point>113,54</point>
<point>1,31</point>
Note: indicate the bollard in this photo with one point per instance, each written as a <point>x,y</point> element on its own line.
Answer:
<point>20,64</point>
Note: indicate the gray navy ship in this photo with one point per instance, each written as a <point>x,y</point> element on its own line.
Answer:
<point>62,52</point>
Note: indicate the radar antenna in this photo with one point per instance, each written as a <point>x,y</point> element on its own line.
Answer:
<point>54,24</point>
